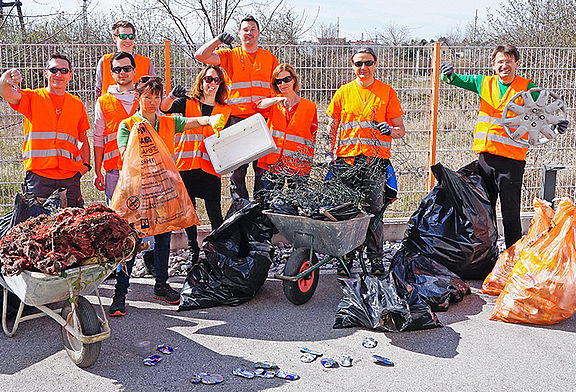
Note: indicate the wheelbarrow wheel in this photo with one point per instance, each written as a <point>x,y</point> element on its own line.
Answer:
<point>82,354</point>
<point>301,291</point>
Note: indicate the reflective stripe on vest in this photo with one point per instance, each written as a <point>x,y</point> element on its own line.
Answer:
<point>358,108</point>
<point>113,112</point>
<point>368,142</point>
<point>489,134</point>
<point>189,146</point>
<point>248,83</point>
<point>51,142</point>
<point>294,141</point>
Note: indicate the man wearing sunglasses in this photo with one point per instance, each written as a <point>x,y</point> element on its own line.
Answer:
<point>249,71</point>
<point>56,150</point>
<point>124,34</point>
<point>365,116</point>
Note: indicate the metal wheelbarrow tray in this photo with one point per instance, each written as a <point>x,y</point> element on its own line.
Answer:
<point>308,236</point>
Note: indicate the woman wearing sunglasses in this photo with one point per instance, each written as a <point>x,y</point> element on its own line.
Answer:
<point>208,97</point>
<point>293,122</point>
<point>149,94</point>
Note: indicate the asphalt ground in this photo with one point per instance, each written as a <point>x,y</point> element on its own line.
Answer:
<point>469,353</point>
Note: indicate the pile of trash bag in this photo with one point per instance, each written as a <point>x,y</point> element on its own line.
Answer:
<point>455,224</point>
<point>496,280</point>
<point>437,285</point>
<point>384,303</point>
<point>70,237</point>
<point>542,284</point>
<point>238,257</point>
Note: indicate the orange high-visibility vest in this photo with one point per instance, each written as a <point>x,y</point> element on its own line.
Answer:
<point>114,112</point>
<point>357,135</point>
<point>294,140</point>
<point>51,142</point>
<point>248,83</point>
<point>189,146</point>
<point>489,134</point>
<point>142,69</point>
<point>166,129</point>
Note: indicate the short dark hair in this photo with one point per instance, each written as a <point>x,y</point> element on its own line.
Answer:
<point>151,84</point>
<point>122,23</point>
<point>60,56</point>
<point>197,91</point>
<point>365,49</point>
<point>508,50</point>
<point>120,56</point>
<point>250,18</point>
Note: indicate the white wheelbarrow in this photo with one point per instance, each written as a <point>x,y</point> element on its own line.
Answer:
<point>82,329</point>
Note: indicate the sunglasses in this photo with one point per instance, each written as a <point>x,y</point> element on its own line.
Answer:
<point>367,63</point>
<point>211,79</point>
<point>145,79</point>
<point>55,70</point>
<point>124,36</point>
<point>126,68</point>
<point>287,79</point>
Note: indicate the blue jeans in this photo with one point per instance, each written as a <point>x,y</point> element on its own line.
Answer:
<point>110,180</point>
<point>161,257</point>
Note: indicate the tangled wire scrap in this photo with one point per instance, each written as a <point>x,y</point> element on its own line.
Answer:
<point>72,237</point>
<point>330,191</point>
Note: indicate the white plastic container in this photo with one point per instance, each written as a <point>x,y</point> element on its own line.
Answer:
<point>240,143</point>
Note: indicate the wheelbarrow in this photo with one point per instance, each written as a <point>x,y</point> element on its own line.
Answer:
<point>82,329</point>
<point>309,236</point>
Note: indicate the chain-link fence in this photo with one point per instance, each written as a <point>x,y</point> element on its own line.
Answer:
<point>322,69</point>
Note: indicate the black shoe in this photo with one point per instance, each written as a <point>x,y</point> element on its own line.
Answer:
<point>118,307</point>
<point>166,293</point>
<point>193,254</point>
<point>348,260</point>
<point>376,266</point>
<point>149,261</point>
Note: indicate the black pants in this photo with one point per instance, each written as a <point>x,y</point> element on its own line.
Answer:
<point>503,178</point>
<point>238,181</point>
<point>208,187</point>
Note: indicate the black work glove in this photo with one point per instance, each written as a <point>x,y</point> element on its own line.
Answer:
<point>446,69</point>
<point>226,38</point>
<point>562,126</point>
<point>384,128</point>
<point>178,91</point>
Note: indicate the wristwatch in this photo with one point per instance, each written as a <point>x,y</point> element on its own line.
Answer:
<point>87,165</point>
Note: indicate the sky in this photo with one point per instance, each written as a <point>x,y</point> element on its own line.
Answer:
<point>356,18</point>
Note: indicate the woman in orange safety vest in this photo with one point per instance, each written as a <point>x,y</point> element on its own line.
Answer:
<point>208,97</point>
<point>293,122</point>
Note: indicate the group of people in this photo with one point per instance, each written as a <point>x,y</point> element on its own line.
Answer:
<point>365,116</point>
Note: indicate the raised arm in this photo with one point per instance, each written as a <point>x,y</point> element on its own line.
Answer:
<point>207,52</point>
<point>10,86</point>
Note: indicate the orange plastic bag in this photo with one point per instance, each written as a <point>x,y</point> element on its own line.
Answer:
<point>542,285</point>
<point>150,193</point>
<point>496,280</point>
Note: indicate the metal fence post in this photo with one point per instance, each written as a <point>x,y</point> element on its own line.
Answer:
<point>167,66</point>
<point>433,111</point>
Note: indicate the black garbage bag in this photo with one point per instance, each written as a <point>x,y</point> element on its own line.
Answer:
<point>437,285</point>
<point>27,206</point>
<point>454,224</point>
<point>238,257</point>
<point>382,303</point>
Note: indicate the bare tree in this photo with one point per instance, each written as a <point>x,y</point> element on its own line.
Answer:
<point>534,23</point>
<point>394,35</point>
